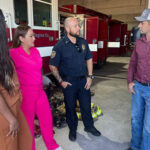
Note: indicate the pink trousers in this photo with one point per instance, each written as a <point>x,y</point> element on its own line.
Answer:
<point>35,102</point>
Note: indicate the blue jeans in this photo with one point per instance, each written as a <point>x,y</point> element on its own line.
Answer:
<point>140,117</point>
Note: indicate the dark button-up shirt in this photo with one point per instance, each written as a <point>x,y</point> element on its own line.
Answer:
<point>71,57</point>
<point>139,67</point>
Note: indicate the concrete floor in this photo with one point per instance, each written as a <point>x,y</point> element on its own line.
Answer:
<point>112,96</point>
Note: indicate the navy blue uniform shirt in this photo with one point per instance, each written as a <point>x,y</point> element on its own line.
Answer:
<point>70,58</point>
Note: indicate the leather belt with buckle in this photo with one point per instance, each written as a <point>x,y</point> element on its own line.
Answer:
<point>144,84</point>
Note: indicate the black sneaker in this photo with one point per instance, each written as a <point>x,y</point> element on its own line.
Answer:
<point>129,148</point>
<point>72,135</point>
<point>93,131</point>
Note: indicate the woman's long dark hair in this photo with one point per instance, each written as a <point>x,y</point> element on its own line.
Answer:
<point>6,67</point>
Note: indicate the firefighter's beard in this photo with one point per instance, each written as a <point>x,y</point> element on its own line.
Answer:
<point>74,35</point>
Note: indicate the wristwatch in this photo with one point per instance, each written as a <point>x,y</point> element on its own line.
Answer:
<point>90,76</point>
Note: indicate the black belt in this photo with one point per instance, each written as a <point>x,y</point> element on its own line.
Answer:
<point>144,84</point>
<point>73,78</point>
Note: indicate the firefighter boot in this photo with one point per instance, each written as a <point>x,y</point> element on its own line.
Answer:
<point>72,135</point>
<point>93,131</point>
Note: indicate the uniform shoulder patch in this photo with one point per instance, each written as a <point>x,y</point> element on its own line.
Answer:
<point>53,54</point>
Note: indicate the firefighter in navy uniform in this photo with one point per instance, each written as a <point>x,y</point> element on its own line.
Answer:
<point>70,55</point>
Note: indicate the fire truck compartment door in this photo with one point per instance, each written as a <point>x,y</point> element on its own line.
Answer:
<point>92,30</point>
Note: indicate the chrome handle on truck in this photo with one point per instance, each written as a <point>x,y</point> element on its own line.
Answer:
<point>8,20</point>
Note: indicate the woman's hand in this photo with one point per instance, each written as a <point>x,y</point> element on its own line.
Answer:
<point>13,127</point>
<point>9,116</point>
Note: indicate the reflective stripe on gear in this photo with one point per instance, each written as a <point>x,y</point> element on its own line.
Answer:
<point>94,115</point>
<point>99,111</point>
<point>79,115</point>
<point>92,104</point>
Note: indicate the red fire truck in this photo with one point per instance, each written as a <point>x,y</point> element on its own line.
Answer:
<point>41,15</point>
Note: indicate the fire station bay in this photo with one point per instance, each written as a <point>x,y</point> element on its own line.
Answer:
<point>94,70</point>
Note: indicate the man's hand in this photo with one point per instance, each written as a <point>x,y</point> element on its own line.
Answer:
<point>131,87</point>
<point>64,84</point>
<point>88,83</point>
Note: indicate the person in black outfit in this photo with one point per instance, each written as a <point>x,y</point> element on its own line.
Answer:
<point>70,55</point>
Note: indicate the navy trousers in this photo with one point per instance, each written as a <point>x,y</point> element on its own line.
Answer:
<point>71,94</point>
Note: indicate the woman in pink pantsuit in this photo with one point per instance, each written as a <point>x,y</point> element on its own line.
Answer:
<point>28,63</point>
